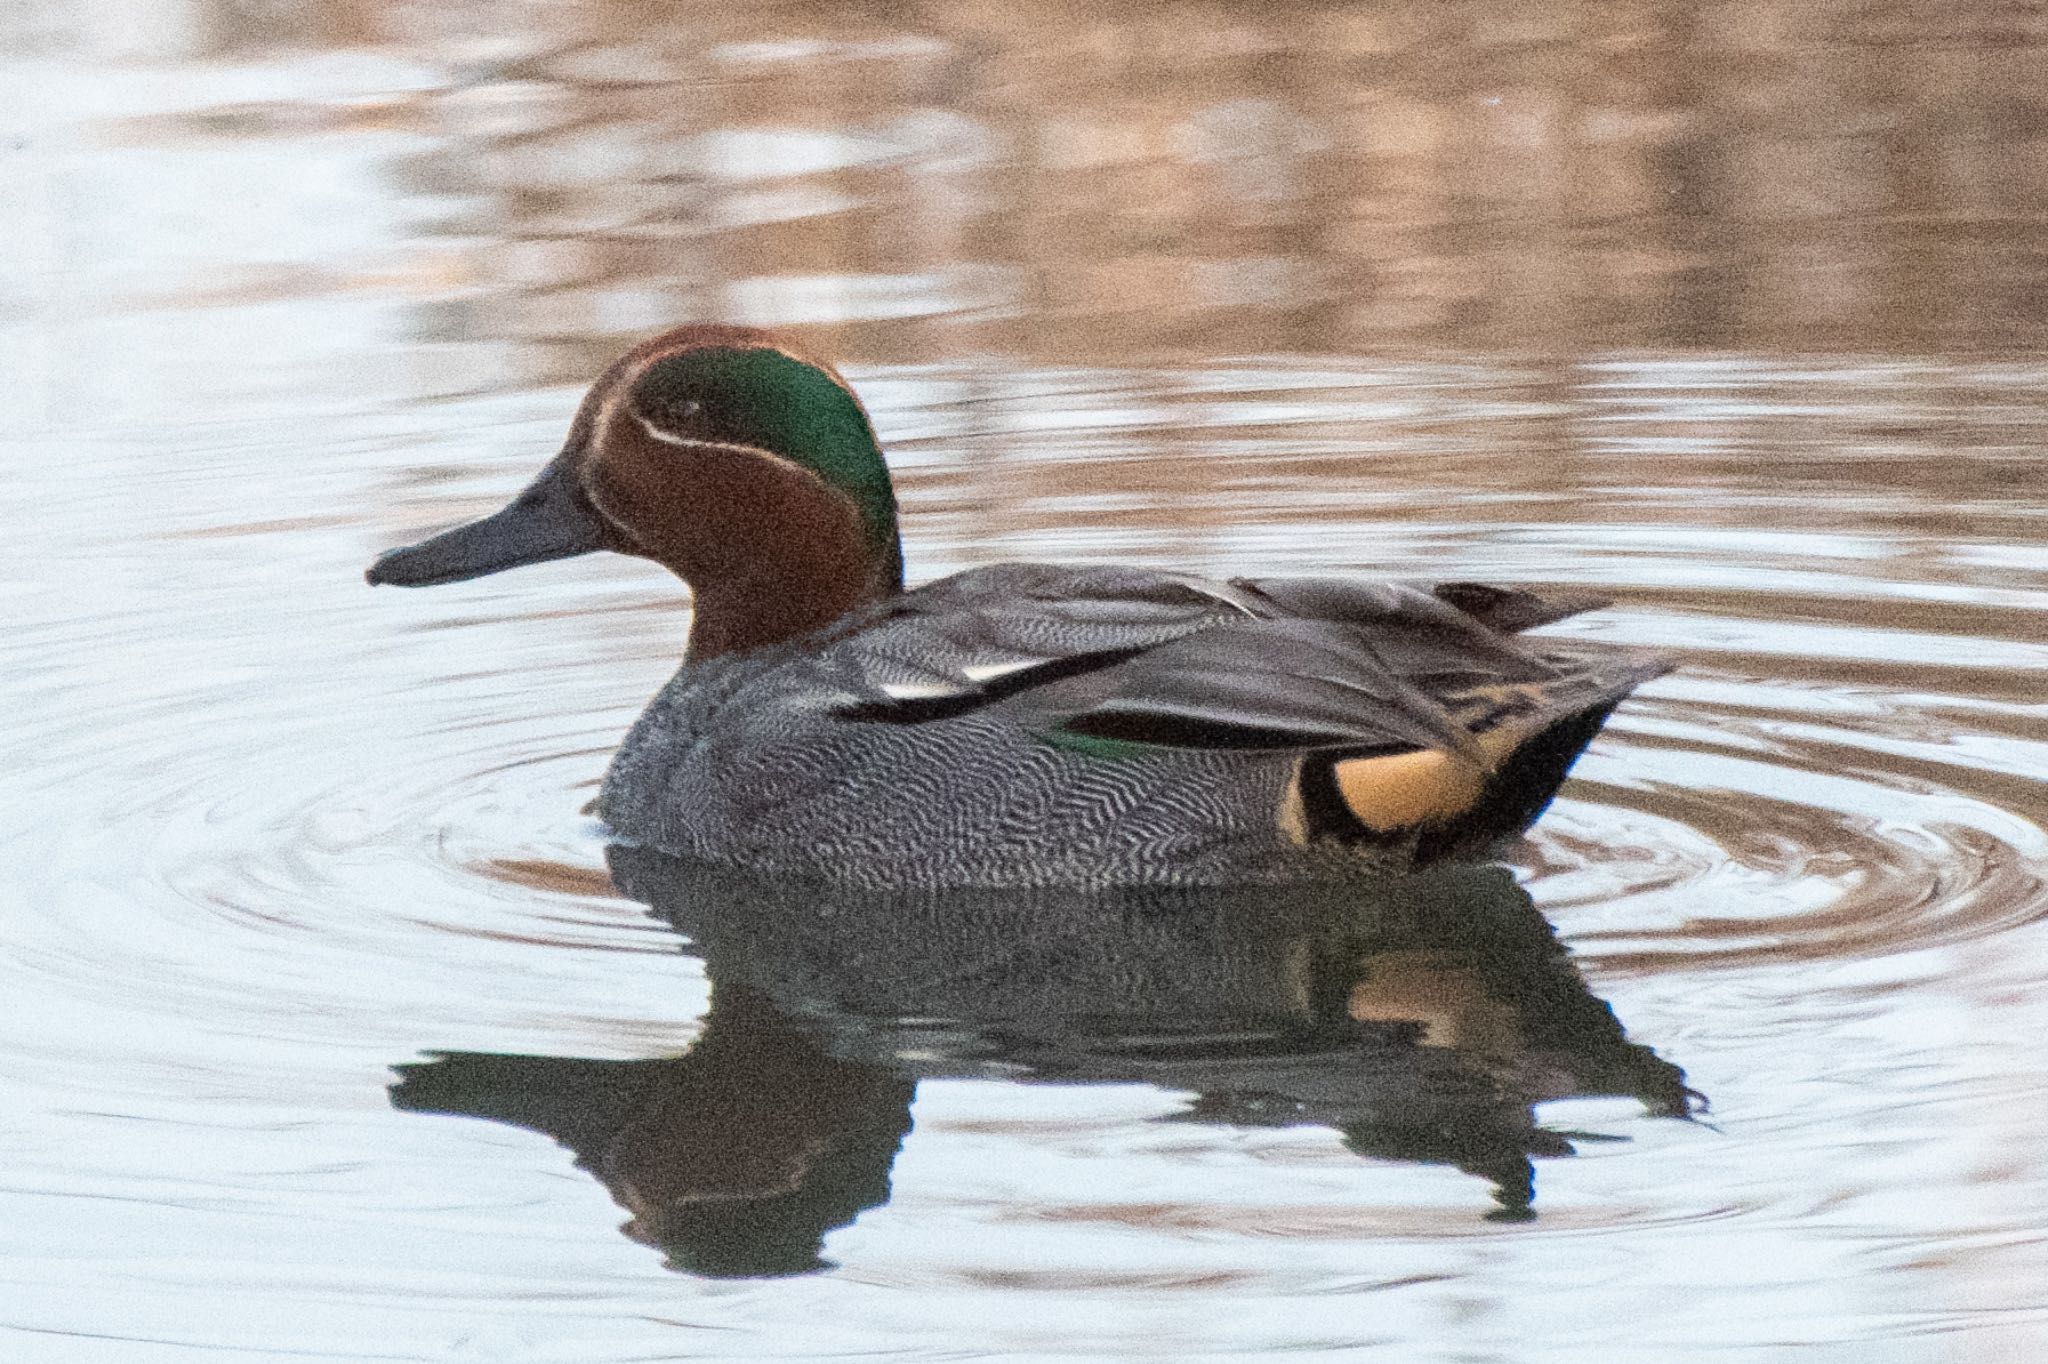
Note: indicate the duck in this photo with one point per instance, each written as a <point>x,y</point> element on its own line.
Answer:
<point>1084,726</point>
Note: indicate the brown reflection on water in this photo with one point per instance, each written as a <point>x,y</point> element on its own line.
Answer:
<point>1090,181</point>
<point>1734,310</point>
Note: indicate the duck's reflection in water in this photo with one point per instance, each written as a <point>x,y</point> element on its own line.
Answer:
<point>1423,1019</point>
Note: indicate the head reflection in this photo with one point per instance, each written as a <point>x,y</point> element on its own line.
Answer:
<point>1422,1019</point>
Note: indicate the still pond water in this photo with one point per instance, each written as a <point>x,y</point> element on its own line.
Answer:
<point>329,1028</point>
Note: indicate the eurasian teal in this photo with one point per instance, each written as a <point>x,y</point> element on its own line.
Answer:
<point>1016,724</point>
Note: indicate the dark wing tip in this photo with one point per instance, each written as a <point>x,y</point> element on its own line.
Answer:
<point>1511,610</point>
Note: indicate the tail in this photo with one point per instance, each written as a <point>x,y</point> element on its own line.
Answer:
<point>1526,737</point>
<point>1519,790</point>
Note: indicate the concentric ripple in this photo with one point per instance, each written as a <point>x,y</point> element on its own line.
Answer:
<point>1713,829</point>
<point>287,832</point>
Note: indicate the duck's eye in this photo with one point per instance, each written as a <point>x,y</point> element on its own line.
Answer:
<point>673,396</point>
<point>670,420</point>
<point>673,411</point>
<point>676,413</point>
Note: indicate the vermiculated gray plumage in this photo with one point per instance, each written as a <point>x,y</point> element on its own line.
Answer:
<point>1036,725</point>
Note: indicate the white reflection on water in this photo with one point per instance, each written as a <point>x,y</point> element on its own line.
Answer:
<point>1806,869</point>
<point>279,294</point>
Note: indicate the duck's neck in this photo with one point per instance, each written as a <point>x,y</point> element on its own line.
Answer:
<point>772,552</point>
<point>735,614</point>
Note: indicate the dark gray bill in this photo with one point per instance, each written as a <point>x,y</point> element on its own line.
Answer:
<point>549,520</point>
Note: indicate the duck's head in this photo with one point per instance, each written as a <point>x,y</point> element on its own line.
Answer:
<point>726,453</point>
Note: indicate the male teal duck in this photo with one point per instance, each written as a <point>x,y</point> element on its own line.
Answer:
<point>1017,724</point>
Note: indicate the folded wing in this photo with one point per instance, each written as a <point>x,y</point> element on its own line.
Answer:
<point>1404,707</point>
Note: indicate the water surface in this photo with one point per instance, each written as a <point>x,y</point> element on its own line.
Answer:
<point>327,1034</point>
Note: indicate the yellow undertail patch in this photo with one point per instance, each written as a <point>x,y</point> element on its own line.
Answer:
<point>1402,790</point>
<point>1396,791</point>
